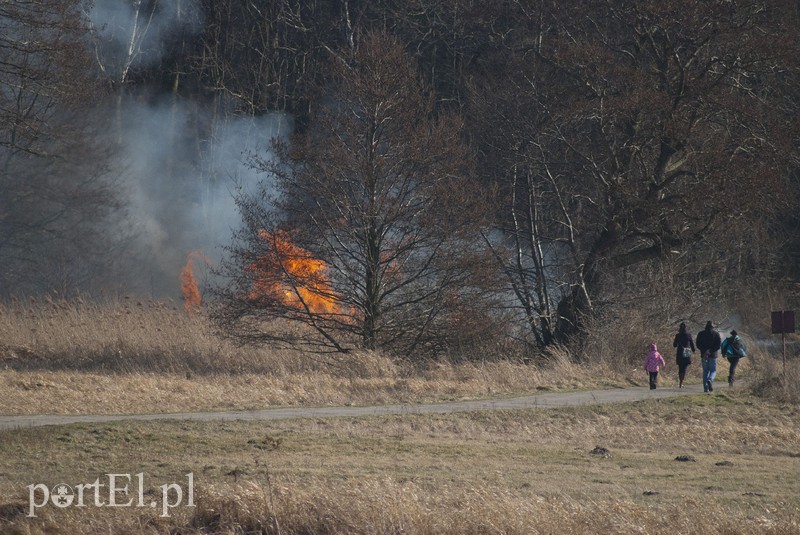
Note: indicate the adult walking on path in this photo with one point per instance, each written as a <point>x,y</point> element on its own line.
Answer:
<point>684,349</point>
<point>733,349</point>
<point>708,343</point>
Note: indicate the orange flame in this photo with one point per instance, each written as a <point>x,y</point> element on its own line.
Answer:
<point>192,301</point>
<point>293,276</point>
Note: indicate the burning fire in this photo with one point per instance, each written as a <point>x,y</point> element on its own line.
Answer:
<point>192,301</point>
<point>293,276</point>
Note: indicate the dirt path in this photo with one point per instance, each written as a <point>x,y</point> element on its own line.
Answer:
<point>536,401</point>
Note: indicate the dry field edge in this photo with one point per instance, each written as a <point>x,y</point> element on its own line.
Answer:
<point>605,468</point>
<point>283,443</point>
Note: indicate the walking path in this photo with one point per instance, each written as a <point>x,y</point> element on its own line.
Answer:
<point>536,401</point>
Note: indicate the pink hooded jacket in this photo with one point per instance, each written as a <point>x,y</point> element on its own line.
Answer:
<point>654,361</point>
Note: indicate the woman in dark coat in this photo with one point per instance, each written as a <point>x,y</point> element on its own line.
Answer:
<point>684,348</point>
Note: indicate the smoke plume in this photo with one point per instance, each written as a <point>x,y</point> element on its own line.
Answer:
<point>179,159</point>
<point>134,33</point>
<point>180,185</point>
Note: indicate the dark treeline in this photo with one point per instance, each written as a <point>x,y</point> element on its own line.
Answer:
<point>606,154</point>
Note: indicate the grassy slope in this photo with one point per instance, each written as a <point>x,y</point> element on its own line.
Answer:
<point>499,472</point>
<point>505,472</point>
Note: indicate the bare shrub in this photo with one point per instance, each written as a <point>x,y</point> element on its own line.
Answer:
<point>619,339</point>
<point>768,380</point>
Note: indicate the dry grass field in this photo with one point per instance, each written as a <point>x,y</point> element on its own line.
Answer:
<point>490,472</point>
<point>602,469</point>
<point>132,356</point>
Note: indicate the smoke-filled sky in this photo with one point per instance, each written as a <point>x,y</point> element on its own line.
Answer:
<point>179,162</point>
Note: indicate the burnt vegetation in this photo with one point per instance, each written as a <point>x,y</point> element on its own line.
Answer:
<point>458,176</point>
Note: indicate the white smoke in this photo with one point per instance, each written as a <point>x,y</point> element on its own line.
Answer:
<point>133,33</point>
<point>181,183</point>
<point>180,161</point>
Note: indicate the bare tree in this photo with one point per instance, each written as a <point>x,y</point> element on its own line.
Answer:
<point>628,133</point>
<point>370,236</point>
<point>54,190</point>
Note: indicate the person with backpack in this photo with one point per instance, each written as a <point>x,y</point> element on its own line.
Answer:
<point>733,349</point>
<point>652,363</point>
<point>684,349</point>
<point>708,342</point>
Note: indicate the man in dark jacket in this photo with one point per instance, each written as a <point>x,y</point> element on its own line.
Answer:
<point>708,342</point>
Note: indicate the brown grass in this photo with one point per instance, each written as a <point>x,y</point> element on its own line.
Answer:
<point>490,472</point>
<point>487,472</point>
<point>772,380</point>
<point>132,356</point>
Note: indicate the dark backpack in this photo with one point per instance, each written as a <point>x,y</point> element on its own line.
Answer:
<point>734,348</point>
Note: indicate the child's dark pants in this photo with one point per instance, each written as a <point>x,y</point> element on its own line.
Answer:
<point>653,380</point>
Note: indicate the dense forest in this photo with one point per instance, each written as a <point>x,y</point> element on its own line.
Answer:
<point>416,176</point>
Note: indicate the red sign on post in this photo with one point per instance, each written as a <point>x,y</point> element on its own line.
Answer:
<point>783,322</point>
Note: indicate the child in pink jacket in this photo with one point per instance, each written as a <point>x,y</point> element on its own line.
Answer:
<point>652,363</point>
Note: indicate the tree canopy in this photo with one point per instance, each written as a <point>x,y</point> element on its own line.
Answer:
<point>619,135</point>
<point>371,234</point>
<point>454,168</point>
